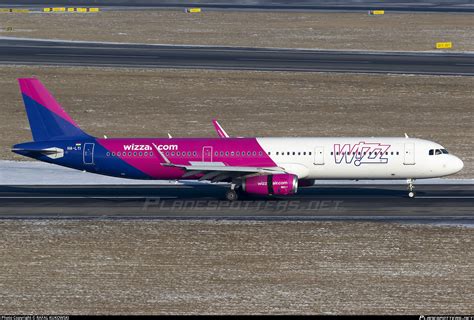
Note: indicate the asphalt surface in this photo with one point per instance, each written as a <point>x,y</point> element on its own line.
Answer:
<point>283,5</point>
<point>33,52</point>
<point>440,203</point>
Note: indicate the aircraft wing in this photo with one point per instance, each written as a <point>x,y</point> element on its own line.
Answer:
<point>217,171</point>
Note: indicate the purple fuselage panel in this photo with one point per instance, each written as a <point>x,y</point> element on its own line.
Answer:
<point>141,153</point>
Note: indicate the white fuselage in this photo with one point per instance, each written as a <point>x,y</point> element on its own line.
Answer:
<point>361,158</point>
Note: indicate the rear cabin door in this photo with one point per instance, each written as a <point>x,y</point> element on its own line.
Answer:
<point>409,154</point>
<point>88,154</point>
<point>319,155</point>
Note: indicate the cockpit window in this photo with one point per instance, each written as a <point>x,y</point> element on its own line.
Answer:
<point>437,151</point>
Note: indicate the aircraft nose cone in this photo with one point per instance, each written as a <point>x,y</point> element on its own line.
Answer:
<point>454,165</point>
<point>458,164</point>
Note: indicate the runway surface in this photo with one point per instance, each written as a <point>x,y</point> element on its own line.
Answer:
<point>439,203</point>
<point>33,52</point>
<point>288,5</point>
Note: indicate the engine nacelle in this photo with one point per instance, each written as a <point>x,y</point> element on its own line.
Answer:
<point>272,184</point>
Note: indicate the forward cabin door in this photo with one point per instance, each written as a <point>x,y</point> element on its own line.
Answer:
<point>319,155</point>
<point>206,154</point>
<point>409,154</point>
<point>88,153</point>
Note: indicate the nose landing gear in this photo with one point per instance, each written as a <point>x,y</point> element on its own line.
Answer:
<point>411,188</point>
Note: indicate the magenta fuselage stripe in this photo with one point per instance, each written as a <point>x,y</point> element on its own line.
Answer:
<point>185,150</point>
<point>37,92</point>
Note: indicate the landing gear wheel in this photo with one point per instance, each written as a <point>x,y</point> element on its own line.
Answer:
<point>231,195</point>
<point>411,188</point>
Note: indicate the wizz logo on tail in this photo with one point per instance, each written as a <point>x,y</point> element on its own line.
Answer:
<point>361,153</point>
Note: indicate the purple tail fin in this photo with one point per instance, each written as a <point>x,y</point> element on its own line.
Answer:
<point>48,120</point>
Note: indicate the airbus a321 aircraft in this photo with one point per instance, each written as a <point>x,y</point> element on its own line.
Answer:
<point>258,166</point>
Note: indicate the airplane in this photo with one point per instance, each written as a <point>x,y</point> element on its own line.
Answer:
<point>257,166</point>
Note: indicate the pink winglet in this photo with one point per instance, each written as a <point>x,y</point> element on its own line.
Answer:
<point>220,131</point>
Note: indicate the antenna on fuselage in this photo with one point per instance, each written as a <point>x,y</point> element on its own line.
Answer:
<point>169,135</point>
<point>406,136</point>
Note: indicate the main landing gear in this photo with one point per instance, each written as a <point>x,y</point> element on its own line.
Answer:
<point>231,194</point>
<point>411,188</point>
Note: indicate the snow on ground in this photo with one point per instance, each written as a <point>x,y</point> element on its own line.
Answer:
<point>41,173</point>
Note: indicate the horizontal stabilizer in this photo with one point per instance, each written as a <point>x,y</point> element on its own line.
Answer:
<point>53,153</point>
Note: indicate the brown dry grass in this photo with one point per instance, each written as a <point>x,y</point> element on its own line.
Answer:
<point>188,267</point>
<point>262,29</point>
<point>136,102</point>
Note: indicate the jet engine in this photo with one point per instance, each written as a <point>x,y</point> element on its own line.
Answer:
<point>272,184</point>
